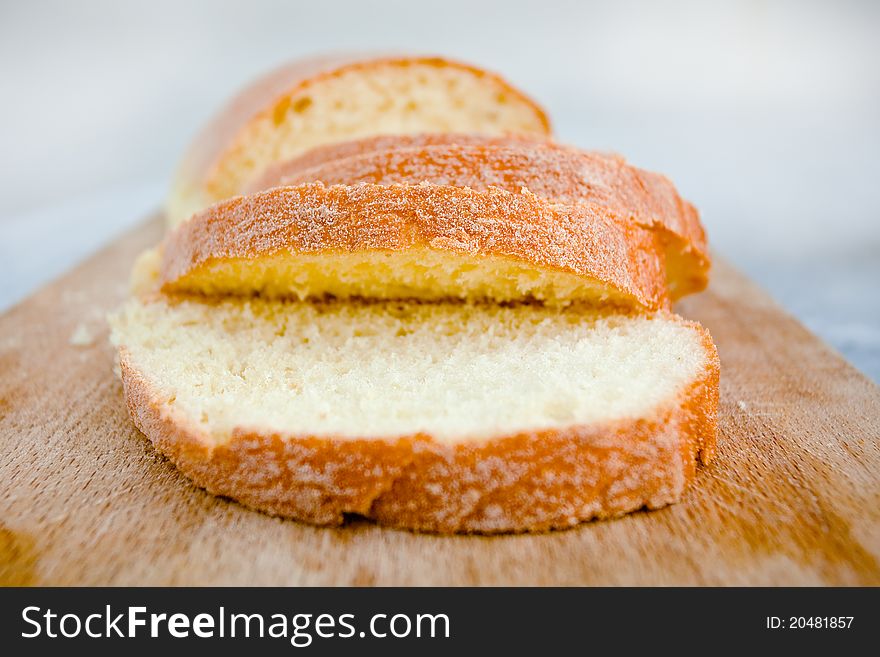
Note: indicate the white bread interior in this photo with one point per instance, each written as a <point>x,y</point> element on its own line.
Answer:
<point>457,372</point>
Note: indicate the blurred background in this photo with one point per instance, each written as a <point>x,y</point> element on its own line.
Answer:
<point>765,113</point>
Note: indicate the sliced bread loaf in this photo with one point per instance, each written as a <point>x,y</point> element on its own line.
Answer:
<point>329,99</point>
<point>554,172</point>
<point>442,417</point>
<point>428,242</point>
<point>465,334</point>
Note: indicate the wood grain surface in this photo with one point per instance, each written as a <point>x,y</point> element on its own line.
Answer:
<point>792,498</point>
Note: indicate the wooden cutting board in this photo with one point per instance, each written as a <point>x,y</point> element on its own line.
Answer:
<point>793,497</point>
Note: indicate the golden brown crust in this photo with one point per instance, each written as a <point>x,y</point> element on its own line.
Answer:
<point>224,131</point>
<point>525,482</point>
<point>558,173</point>
<point>585,240</point>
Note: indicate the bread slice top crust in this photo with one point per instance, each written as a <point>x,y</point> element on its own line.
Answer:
<point>381,370</point>
<point>428,242</point>
<point>551,171</point>
<point>328,99</point>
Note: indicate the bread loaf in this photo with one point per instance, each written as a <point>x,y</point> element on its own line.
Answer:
<point>328,99</point>
<point>462,330</point>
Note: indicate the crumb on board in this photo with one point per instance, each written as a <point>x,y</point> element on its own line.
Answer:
<point>82,336</point>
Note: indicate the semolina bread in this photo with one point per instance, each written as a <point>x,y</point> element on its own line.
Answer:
<point>329,99</point>
<point>420,310</point>
<point>445,417</point>
<point>551,171</point>
<point>427,242</point>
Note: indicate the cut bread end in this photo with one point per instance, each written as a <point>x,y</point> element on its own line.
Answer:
<point>324,104</point>
<point>439,417</point>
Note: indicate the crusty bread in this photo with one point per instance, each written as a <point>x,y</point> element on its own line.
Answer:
<point>463,332</point>
<point>552,171</point>
<point>327,99</point>
<point>441,417</point>
<point>423,241</point>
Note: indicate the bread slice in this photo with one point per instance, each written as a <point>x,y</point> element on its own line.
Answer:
<point>425,242</point>
<point>441,417</point>
<point>551,171</point>
<point>328,99</point>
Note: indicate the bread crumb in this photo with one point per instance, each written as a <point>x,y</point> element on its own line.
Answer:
<point>82,336</point>
<point>742,405</point>
<point>10,343</point>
